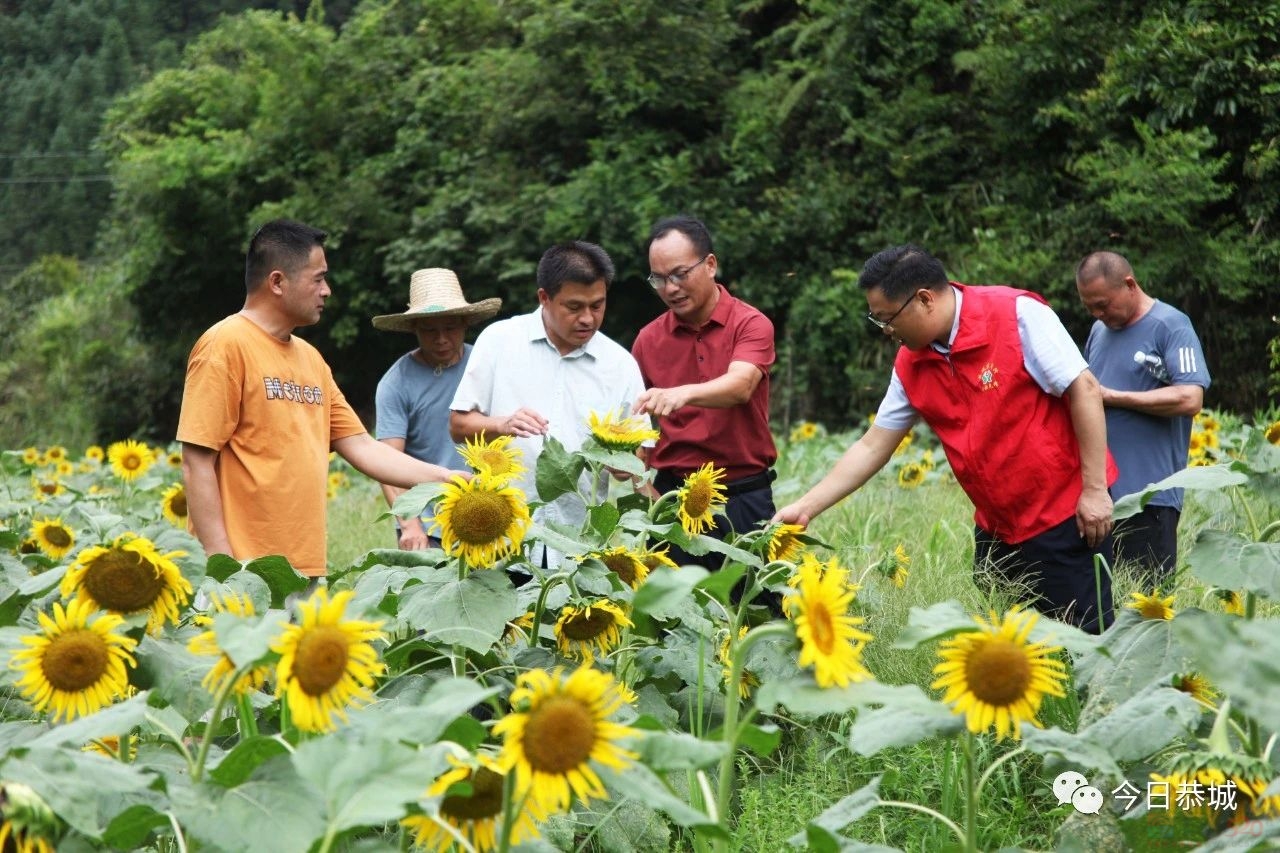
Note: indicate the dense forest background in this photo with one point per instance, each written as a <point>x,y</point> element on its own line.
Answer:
<point>142,141</point>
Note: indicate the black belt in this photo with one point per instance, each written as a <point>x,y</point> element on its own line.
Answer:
<point>668,480</point>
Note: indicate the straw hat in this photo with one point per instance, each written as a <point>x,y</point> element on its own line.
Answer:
<point>436,293</point>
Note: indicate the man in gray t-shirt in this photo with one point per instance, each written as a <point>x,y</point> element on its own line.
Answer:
<point>414,394</point>
<point>1149,361</point>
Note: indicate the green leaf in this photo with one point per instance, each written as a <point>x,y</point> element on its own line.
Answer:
<point>1134,652</point>
<point>664,589</point>
<point>221,566</point>
<point>247,639</point>
<point>238,764</point>
<point>367,781</point>
<point>843,813</point>
<point>276,803</point>
<point>1233,562</point>
<point>721,582</point>
<point>603,519</point>
<point>562,542</point>
<point>907,716</point>
<point>79,786</point>
<point>557,471</point>
<point>132,826</point>
<point>415,502</point>
<point>640,783</point>
<point>617,459</point>
<point>1145,723</point>
<point>679,751</point>
<point>934,622</point>
<point>1070,751</point>
<point>802,696</point>
<point>424,718</point>
<point>471,612</point>
<point>1214,477</point>
<point>1241,658</point>
<point>117,719</point>
<point>762,740</point>
<point>281,578</point>
<point>174,674</point>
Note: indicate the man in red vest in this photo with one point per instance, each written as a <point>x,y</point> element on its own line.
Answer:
<point>996,376</point>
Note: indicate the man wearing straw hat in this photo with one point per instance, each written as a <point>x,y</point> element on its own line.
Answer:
<point>414,394</point>
<point>261,412</point>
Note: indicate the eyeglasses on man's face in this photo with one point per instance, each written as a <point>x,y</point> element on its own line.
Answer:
<point>883,324</point>
<point>657,280</point>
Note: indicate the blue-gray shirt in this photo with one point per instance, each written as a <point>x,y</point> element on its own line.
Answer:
<point>1147,448</point>
<point>413,404</point>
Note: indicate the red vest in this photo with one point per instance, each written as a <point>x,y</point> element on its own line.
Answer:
<point>1012,446</point>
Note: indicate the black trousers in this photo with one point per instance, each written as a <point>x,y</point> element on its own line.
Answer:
<point>1053,572</point>
<point>1149,541</point>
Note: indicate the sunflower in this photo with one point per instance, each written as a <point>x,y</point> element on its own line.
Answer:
<point>1205,770</point>
<point>1231,602</point>
<point>911,475</point>
<point>130,576</point>
<point>557,727</point>
<point>482,519</point>
<point>1273,433</point>
<point>64,468</point>
<point>830,638</point>
<point>495,458</point>
<point>55,454</point>
<point>784,542</point>
<point>657,556</point>
<point>1196,686</point>
<point>94,453</point>
<point>748,680</point>
<point>76,665</point>
<point>994,675</point>
<point>46,488</point>
<point>31,456</point>
<point>628,565</point>
<point>804,431</point>
<point>173,503</point>
<point>207,644</point>
<point>900,562</point>
<point>582,631</point>
<point>337,480</point>
<point>53,537</point>
<point>475,812</point>
<point>1152,606</point>
<point>903,445</point>
<point>617,432</point>
<point>1207,422</point>
<point>109,745</point>
<point>701,497</point>
<point>129,459</point>
<point>1196,445</point>
<point>326,663</point>
<point>27,824</point>
<point>518,628</point>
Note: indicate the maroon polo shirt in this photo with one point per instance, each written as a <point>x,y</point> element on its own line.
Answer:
<point>673,353</point>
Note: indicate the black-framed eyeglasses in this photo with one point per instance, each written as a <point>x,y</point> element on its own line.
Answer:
<point>881,324</point>
<point>657,281</point>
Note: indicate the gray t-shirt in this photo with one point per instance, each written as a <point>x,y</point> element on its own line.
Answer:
<point>413,404</point>
<point>1148,448</point>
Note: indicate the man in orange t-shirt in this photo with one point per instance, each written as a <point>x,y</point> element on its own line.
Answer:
<point>261,411</point>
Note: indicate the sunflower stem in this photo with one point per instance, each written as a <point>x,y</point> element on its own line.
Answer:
<point>248,722</point>
<point>986,774</point>
<point>219,702</point>
<point>971,796</point>
<point>508,810</point>
<point>458,660</point>
<point>547,586</point>
<point>178,837</point>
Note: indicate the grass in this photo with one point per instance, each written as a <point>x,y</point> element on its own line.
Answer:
<point>814,769</point>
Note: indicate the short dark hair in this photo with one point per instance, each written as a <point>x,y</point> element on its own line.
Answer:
<point>281,244</point>
<point>901,271</point>
<point>689,226</point>
<point>1110,266</point>
<point>577,261</point>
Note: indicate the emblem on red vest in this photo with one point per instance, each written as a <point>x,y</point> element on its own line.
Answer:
<point>987,376</point>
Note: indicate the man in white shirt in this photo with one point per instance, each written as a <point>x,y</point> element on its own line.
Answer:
<point>543,373</point>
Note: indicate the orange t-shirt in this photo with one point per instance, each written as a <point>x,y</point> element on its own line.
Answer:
<point>270,408</point>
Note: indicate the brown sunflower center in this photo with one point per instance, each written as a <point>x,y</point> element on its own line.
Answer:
<point>49,488</point>
<point>481,517</point>
<point>822,627</point>
<point>57,536</point>
<point>123,581</point>
<point>178,505</point>
<point>1152,608</point>
<point>622,565</point>
<point>321,659</point>
<point>998,671</point>
<point>588,624</point>
<point>75,661</point>
<point>131,462</point>
<point>697,498</point>
<point>485,801</point>
<point>559,735</point>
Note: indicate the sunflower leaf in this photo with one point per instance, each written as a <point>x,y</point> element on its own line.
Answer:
<point>557,471</point>
<point>112,720</point>
<point>907,717</point>
<point>79,786</point>
<point>664,590</point>
<point>1250,672</point>
<point>1233,562</point>
<point>471,612</point>
<point>679,751</point>
<point>280,577</point>
<point>276,803</point>
<point>640,783</point>
<point>1214,477</point>
<point>415,501</point>
<point>840,815</point>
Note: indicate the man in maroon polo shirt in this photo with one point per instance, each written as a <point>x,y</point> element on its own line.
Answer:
<point>705,363</point>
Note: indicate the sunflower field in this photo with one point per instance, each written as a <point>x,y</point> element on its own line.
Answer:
<point>848,687</point>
